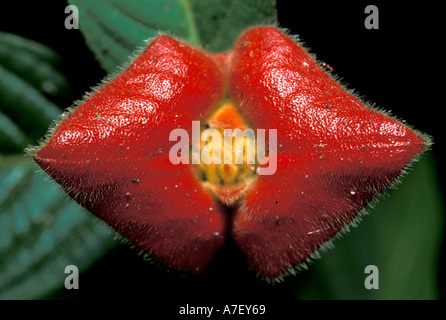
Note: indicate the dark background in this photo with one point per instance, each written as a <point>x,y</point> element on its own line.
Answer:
<point>398,67</point>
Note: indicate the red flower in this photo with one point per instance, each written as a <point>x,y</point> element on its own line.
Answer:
<point>334,154</point>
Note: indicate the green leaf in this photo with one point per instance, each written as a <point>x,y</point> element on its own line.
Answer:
<point>12,138</point>
<point>401,236</point>
<point>41,233</point>
<point>34,62</point>
<point>29,83</point>
<point>113,29</point>
<point>220,23</point>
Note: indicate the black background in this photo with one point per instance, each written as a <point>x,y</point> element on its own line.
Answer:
<point>399,67</point>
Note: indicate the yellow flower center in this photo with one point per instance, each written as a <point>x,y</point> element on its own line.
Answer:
<point>228,161</point>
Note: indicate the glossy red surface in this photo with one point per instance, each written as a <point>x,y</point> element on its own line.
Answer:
<point>334,154</point>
